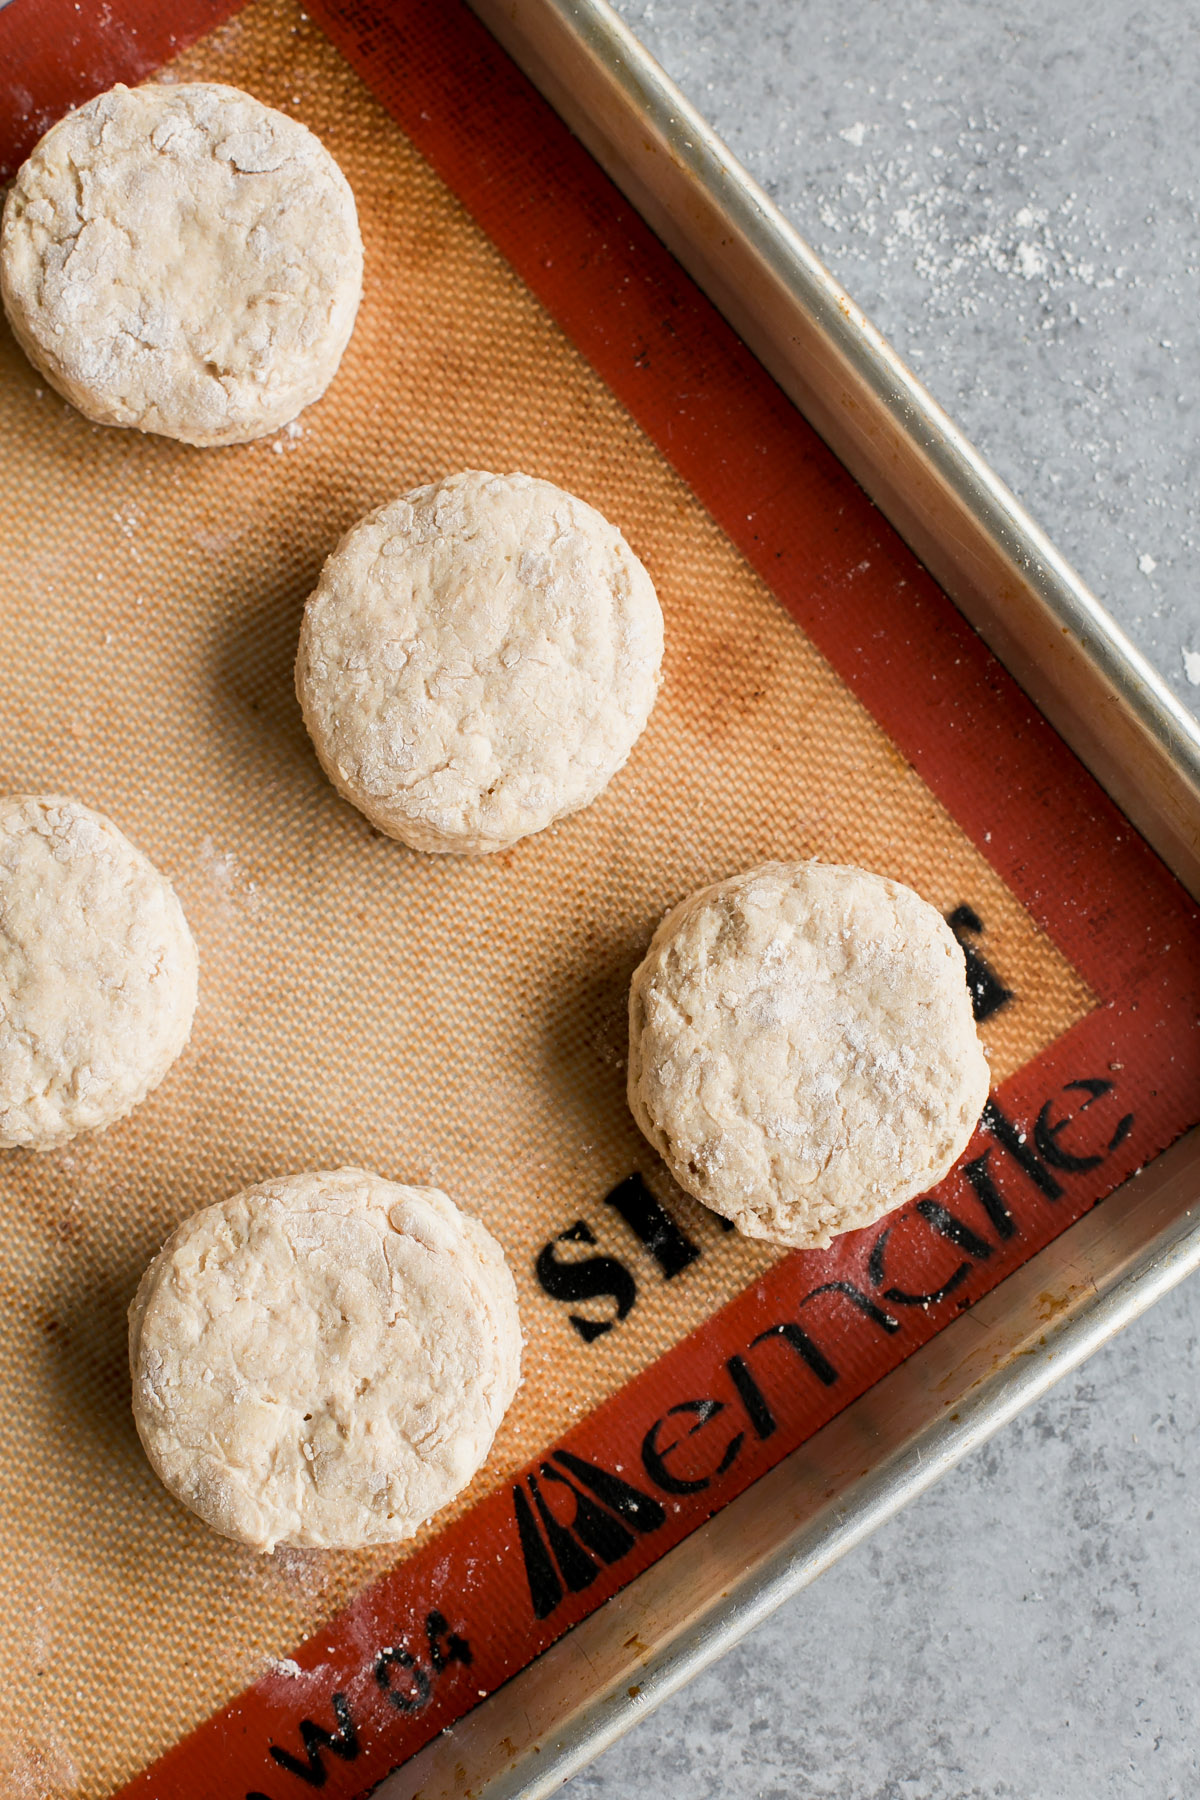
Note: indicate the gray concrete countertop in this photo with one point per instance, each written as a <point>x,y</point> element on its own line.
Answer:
<point>1011,192</point>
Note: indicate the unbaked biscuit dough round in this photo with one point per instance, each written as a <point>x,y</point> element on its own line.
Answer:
<point>802,1049</point>
<point>182,259</point>
<point>323,1360</point>
<point>97,972</point>
<point>478,660</point>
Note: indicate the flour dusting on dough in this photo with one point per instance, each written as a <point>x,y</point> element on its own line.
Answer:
<point>802,1050</point>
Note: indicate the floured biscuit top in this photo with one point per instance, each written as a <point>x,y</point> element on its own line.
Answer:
<point>182,259</point>
<point>324,1359</point>
<point>803,1052</point>
<point>478,660</point>
<point>97,972</point>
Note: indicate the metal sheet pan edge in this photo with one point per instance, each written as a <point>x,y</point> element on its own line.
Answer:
<point>881,1452</point>
<point>1118,716</point>
<point>962,522</point>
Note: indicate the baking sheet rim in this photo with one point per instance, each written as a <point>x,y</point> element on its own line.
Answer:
<point>1167,1256</point>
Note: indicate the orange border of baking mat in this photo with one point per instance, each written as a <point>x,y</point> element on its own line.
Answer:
<point>55,54</point>
<point>420,1646</point>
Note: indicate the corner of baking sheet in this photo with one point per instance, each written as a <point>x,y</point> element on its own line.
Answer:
<point>825,1498</point>
<point>1111,708</point>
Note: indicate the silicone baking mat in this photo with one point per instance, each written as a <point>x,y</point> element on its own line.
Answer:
<point>463,1023</point>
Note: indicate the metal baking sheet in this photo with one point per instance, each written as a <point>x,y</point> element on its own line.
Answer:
<point>688,1395</point>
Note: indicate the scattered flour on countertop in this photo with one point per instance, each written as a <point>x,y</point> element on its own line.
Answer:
<point>1021,217</point>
